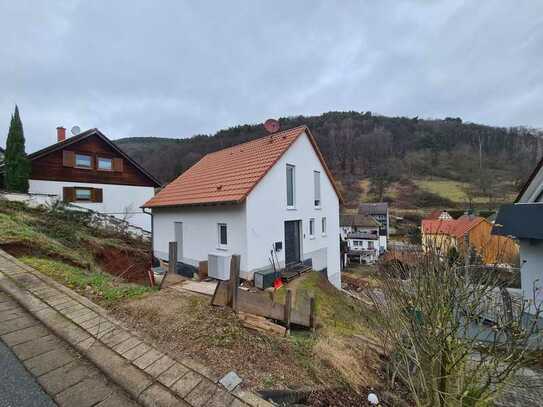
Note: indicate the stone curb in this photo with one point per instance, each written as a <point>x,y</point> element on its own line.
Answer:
<point>124,374</point>
<point>139,384</point>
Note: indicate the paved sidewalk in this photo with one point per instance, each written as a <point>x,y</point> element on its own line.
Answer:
<point>150,376</point>
<point>63,373</point>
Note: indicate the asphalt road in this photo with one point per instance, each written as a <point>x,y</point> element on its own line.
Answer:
<point>17,386</point>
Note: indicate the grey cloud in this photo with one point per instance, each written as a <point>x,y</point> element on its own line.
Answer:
<point>173,69</point>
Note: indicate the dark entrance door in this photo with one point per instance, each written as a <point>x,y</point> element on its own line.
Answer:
<point>292,241</point>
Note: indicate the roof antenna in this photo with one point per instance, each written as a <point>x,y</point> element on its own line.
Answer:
<point>271,126</point>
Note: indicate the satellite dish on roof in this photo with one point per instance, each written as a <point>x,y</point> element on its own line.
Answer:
<point>75,130</point>
<point>271,125</point>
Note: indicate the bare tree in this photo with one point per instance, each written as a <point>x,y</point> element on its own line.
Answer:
<point>453,338</point>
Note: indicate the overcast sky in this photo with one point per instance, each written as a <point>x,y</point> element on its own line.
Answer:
<point>174,69</point>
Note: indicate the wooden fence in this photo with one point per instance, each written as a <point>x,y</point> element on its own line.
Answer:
<point>229,293</point>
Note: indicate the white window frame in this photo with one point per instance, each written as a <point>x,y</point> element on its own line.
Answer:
<point>317,200</point>
<point>104,158</point>
<point>293,167</point>
<point>323,225</point>
<point>312,228</point>
<point>220,245</point>
<point>84,167</point>
<point>83,199</point>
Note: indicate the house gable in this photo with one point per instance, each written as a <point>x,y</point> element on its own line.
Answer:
<point>229,175</point>
<point>532,191</point>
<point>56,162</point>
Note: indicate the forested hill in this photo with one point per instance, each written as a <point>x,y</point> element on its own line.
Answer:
<point>409,161</point>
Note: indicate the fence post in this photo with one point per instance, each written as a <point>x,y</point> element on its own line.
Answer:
<point>467,251</point>
<point>172,261</point>
<point>234,280</point>
<point>312,311</point>
<point>288,309</point>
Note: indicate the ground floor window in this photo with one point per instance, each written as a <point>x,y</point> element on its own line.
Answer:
<point>311,228</point>
<point>223,235</point>
<point>83,194</point>
<point>323,226</point>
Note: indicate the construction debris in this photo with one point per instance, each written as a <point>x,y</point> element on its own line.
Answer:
<point>261,324</point>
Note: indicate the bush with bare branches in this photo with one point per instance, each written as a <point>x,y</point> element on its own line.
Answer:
<point>454,337</point>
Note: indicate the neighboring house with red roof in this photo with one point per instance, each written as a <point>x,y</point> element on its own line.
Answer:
<point>442,235</point>
<point>90,171</point>
<point>274,193</point>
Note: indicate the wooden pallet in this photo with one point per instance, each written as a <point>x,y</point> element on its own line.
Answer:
<point>294,271</point>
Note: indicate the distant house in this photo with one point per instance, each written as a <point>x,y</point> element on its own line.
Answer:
<point>440,215</point>
<point>361,233</point>
<point>89,170</point>
<point>379,211</point>
<point>273,194</point>
<point>443,235</point>
<point>523,221</point>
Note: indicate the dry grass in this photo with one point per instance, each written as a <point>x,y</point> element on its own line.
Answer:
<point>187,326</point>
<point>335,356</point>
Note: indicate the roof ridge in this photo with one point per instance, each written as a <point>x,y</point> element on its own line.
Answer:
<point>256,139</point>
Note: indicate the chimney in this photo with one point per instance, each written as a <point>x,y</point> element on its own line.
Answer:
<point>61,134</point>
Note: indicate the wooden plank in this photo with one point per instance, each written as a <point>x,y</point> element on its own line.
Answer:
<point>172,261</point>
<point>260,304</point>
<point>234,279</point>
<point>201,287</point>
<point>312,313</point>
<point>261,324</point>
<point>288,308</point>
<point>220,297</point>
<point>202,270</point>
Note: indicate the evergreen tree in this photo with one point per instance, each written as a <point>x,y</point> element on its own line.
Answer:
<point>16,164</point>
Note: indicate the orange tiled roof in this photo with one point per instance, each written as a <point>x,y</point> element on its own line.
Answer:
<point>229,175</point>
<point>454,227</point>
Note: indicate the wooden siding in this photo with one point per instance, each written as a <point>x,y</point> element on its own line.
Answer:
<point>493,249</point>
<point>55,166</point>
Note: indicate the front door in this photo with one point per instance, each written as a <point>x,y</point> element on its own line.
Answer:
<point>179,240</point>
<point>292,241</point>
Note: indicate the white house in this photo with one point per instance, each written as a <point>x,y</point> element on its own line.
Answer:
<point>90,171</point>
<point>523,220</point>
<point>273,193</point>
<point>378,211</point>
<point>361,233</point>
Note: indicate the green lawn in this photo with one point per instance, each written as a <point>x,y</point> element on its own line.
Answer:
<point>101,286</point>
<point>452,190</point>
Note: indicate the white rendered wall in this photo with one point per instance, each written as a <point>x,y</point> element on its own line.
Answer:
<point>200,233</point>
<point>531,269</point>
<point>117,199</point>
<point>267,210</point>
<point>534,189</point>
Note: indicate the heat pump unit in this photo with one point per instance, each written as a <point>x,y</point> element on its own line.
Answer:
<point>218,266</point>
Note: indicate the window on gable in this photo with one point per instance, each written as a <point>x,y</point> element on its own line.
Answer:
<point>317,188</point>
<point>105,164</point>
<point>291,183</point>
<point>222,235</point>
<point>312,227</point>
<point>323,226</point>
<point>83,161</point>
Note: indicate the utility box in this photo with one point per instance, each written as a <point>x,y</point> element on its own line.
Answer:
<point>264,279</point>
<point>218,266</point>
